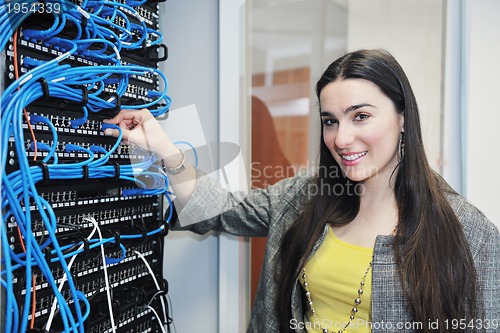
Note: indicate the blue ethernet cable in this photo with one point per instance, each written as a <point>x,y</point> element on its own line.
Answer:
<point>59,90</point>
<point>111,261</point>
<point>28,236</point>
<point>78,26</point>
<point>95,103</point>
<point>35,119</point>
<point>136,45</point>
<point>63,171</point>
<point>29,240</point>
<point>17,101</point>
<point>54,30</point>
<point>75,123</point>
<point>9,24</point>
<point>10,304</point>
<point>135,3</point>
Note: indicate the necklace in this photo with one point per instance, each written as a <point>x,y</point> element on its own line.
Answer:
<point>354,310</point>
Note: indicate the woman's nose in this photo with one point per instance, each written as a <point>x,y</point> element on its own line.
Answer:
<point>345,136</point>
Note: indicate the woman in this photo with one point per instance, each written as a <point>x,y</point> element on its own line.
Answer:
<point>374,240</point>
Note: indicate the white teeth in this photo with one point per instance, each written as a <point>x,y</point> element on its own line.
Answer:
<point>353,157</point>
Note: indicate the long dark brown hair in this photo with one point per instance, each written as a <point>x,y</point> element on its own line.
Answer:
<point>434,262</point>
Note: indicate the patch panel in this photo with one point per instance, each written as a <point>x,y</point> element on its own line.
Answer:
<point>29,58</point>
<point>149,15</point>
<point>32,53</point>
<point>91,283</point>
<point>64,125</point>
<point>99,144</point>
<point>146,213</point>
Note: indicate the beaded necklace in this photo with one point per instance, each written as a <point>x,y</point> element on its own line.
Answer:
<point>354,310</point>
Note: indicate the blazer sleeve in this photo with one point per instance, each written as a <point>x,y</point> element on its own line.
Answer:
<point>488,272</point>
<point>212,208</point>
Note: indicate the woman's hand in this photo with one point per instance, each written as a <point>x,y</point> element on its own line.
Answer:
<point>142,129</point>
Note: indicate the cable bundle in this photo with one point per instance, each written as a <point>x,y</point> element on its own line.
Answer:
<point>81,60</point>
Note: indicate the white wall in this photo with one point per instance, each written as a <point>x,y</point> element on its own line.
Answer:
<point>191,261</point>
<point>482,55</point>
<point>208,275</point>
<point>453,158</point>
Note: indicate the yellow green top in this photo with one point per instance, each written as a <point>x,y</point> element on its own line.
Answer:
<point>334,274</point>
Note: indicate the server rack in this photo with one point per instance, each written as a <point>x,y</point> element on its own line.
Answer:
<point>82,215</point>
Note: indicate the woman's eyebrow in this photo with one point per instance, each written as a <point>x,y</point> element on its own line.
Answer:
<point>349,109</point>
<point>357,106</point>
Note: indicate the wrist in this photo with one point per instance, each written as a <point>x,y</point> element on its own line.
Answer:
<point>174,163</point>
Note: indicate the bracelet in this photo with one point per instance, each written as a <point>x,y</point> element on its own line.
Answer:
<point>178,169</point>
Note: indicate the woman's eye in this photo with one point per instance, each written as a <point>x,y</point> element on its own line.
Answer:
<point>329,122</point>
<point>361,116</point>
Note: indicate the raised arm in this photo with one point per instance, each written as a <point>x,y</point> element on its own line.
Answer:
<point>142,129</point>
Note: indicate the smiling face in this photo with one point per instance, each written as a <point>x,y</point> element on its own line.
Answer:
<point>362,129</point>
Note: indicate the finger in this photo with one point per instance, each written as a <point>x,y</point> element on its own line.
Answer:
<point>111,132</point>
<point>116,133</point>
<point>123,115</point>
<point>126,126</point>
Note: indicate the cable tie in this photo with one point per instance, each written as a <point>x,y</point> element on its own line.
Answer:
<point>141,297</point>
<point>86,247</point>
<point>45,172</point>
<point>48,256</point>
<point>85,171</point>
<point>116,242</point>
<point>45,89</point>
<point>165,224</point>
<point>144,236</point>
<point>144,46</point>
<point>165,230</point>
<point>85,95</point>
<point>164,288</point>
<point>83,102</point>
<point>83,12</point>
<point>116,177</point>
<point>84,22</point>
<point>79,237</point>
<point>155,48</point>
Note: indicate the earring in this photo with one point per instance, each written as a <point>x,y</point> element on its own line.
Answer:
<point>402,146</point>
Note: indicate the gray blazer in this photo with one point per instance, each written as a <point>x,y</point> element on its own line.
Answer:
<point>271,212</point>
